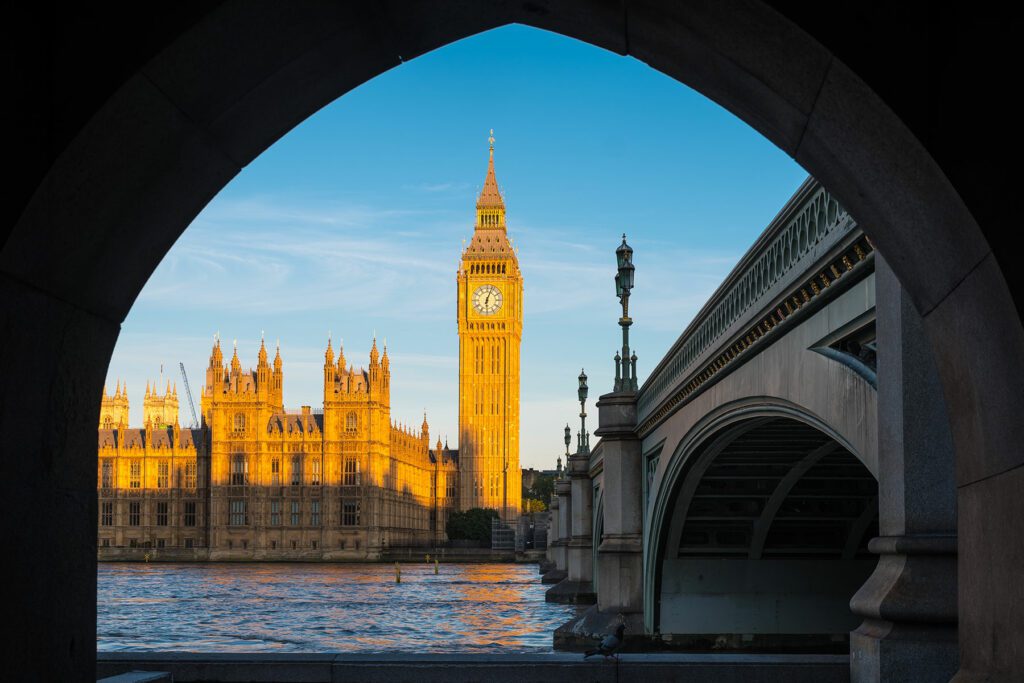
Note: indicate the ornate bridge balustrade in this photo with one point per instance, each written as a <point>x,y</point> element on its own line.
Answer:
<point>810,249</point>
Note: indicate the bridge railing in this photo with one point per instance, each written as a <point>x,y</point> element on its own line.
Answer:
<point>811,243</point>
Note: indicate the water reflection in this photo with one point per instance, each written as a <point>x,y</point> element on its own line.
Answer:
<point>324,608</point>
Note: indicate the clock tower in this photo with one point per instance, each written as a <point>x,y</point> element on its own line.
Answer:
<point>490,316</point>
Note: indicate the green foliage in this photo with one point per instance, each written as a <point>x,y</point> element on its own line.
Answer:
<point>472,525</point>
<point>531,505</point>
<point>536,497</point>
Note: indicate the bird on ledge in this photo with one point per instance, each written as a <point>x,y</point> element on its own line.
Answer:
<point>609,645</point>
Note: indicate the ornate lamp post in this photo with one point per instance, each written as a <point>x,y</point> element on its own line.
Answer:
<point>568,440</point>
<point>625,365</point>
<point>584,438</point>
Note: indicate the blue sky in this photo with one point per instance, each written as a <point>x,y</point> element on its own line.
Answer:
<point>353,224</point>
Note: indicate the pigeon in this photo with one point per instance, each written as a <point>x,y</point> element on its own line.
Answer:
<point>609,645</point>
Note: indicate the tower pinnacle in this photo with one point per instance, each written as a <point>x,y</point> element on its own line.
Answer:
<point>490,207</point>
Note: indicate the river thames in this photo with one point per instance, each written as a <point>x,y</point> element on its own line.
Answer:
<point>324,608</point>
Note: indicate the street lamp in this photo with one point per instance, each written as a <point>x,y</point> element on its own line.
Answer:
<point>625,364</point>
<point>568,440</point>
<point>584,443</point>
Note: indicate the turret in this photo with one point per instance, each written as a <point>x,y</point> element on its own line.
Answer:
<point>329,370</point>
<point>215,370</point>
<point>341,357</point>
<point>425,431</point>
<point>278,381</point>
<point>386,370</point>
<point>263,387</point>
<point>374,364</point>
<point>236,365</point>
<point>160,410</point>
<point>114,409</point>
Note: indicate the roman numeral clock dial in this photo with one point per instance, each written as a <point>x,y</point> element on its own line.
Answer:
<point>487,299</point>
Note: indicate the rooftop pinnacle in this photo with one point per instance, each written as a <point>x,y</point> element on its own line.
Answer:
<point>490,196</point>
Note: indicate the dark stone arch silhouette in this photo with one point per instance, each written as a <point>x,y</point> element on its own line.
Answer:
<point>118,137</point>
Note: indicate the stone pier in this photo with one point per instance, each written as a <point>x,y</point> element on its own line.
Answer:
<point>909,603</point>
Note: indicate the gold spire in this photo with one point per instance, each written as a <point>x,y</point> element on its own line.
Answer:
<point>262,356</point>
<point>490,195</point>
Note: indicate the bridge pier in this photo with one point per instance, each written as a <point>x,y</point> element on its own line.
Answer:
<point>578,585</point>
<point>560,547</point>
<point>620,553</point>
<point>549,564</point>
<point>909,603</point>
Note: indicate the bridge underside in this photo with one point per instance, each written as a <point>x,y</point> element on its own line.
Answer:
<point>767,541</point>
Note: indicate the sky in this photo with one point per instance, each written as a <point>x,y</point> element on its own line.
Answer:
<point>352,225</point>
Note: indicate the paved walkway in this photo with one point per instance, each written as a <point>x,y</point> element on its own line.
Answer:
<point>514,668</point>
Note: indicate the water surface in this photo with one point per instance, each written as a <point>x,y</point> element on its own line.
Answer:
<point>324,608</point>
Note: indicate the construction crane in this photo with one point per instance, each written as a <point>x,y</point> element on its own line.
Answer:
<point>188,392</point>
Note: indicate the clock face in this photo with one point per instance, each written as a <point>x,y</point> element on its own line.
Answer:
<point>487,299</point>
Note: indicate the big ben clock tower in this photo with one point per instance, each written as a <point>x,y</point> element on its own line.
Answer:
<point>490,313</point>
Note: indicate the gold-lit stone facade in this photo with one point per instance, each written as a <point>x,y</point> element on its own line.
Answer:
<point>257,481</point>
<point>490,324</point>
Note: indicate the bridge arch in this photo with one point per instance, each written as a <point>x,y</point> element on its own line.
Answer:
<point>130,159</point>
<point>742,486</point>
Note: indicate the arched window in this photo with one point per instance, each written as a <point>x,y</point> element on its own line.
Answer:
<point>239,422</point>
<point>351,422</point>
<point>239,470</point>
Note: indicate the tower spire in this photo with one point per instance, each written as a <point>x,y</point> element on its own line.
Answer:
<point>262,357</point>
<point>490,206</point>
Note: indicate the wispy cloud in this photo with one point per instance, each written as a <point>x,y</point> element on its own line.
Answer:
<point>438,187</point>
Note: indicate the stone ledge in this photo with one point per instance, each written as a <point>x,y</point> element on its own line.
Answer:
<point>571,593</point>
<point>492,668</point>
<point>556,575</point>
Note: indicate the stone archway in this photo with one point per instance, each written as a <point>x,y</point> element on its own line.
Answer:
<point>212,91</point>
<point>763,537</point>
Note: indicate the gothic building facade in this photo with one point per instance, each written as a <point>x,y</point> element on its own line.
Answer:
<point>257,481</point>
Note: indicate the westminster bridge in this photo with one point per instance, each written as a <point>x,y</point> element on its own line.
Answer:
<point>784,475</point>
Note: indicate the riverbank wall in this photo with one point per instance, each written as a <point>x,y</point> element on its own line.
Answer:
<point>405,555</point>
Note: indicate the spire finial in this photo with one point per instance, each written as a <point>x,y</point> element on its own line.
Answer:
<point>490,140</point>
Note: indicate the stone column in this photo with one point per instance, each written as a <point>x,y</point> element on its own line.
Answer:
<point>549,552</point>
<point>563,491</point>
<point>581,545</point>
<point>576,513</point>
<point>620,553</point>
<point>909,603</point>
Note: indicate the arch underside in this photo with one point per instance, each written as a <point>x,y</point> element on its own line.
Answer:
<point>767,540</point>
<point>120,166</point>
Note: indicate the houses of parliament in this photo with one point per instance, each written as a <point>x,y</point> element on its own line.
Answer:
<point>341,482</point>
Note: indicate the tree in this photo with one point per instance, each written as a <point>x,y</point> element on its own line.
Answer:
<point>536,497</point>
<point>473,525</point>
